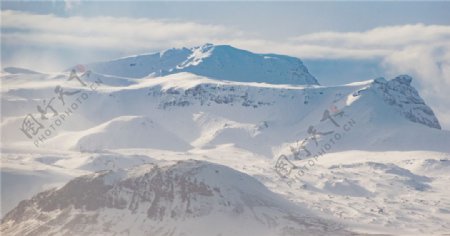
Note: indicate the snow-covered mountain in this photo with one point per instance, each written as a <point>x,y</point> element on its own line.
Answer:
<point>227,106</point>
<point>198,112</point>
<point>178,199</point>
<point>215,61</point>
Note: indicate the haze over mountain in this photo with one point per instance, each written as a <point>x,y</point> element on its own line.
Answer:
<point>173,199</point>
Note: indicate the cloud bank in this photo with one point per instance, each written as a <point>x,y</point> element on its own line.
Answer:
<point>105,32</point>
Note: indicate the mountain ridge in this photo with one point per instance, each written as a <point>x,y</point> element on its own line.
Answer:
<point>222,62</point>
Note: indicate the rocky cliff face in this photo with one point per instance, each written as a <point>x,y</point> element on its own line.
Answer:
<point>399,94</point>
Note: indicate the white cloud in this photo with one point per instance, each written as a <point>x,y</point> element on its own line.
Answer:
<point>142,34</point>
<point>106,32</point>
<point>430,65</point>
<point>137,35</point>
<point>390,37</point>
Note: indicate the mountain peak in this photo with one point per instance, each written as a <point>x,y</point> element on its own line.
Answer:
<point>404,98</point>
<point>403,79</point>
<point>209,45</point>
<point>222,62</point>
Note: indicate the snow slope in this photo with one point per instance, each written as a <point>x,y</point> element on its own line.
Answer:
<point>197,112</point>
<point>122,132</point>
